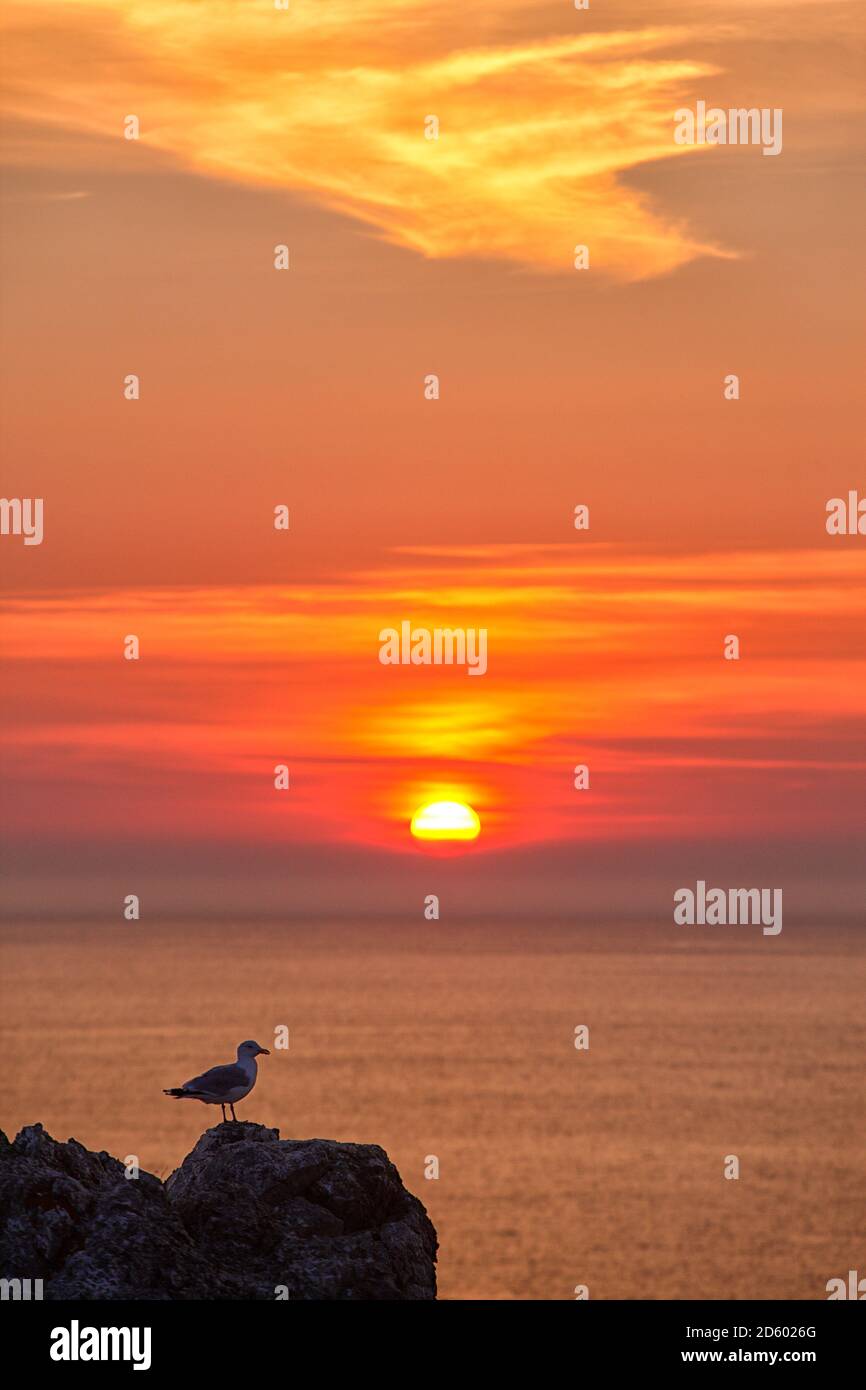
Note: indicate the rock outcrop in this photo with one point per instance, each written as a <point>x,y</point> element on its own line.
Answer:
<point>246,1216</point>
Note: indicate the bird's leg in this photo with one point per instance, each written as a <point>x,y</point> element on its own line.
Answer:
<point>232,1109</point>
<point>223,1109</point>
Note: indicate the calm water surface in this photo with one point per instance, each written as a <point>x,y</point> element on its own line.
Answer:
<point>557,1167</point>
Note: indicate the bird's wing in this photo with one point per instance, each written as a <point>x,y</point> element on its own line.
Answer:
<point>218,1081</point>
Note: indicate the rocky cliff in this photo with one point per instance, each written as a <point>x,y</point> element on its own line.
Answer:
<point>246,1216</point>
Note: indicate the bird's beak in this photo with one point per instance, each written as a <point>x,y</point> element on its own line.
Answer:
<point>265,1050</point>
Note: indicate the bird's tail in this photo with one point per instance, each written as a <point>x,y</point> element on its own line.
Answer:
<point>177,1091</point>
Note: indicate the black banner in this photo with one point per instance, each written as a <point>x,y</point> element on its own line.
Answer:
<point>227,1338</point>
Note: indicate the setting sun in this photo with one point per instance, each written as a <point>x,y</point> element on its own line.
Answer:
<point>445,820</point>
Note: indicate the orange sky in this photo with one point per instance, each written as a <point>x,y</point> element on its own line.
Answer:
<point>408,257</point>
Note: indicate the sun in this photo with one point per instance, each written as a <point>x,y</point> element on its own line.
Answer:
<point>445,820</point>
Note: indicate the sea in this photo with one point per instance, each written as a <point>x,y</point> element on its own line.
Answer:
<point>621,1110</point>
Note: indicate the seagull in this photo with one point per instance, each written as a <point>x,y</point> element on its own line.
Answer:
<point>223,1085</point>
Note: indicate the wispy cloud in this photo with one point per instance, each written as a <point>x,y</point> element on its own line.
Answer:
<point>330,100</point>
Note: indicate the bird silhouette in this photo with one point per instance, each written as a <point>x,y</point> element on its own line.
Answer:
<point>224,1085</point>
